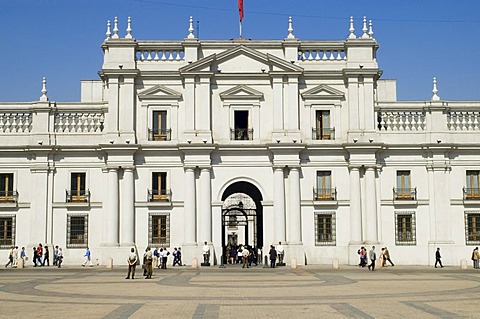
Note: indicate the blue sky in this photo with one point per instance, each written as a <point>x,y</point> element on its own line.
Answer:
<point>61,39</point>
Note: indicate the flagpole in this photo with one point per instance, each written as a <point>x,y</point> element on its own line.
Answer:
<point>240,29</point>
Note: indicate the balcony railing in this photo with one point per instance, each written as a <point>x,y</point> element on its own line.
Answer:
<point>8,196</point>
<point>323,134</point>
<point>159,135</point>
<point>239,134</point>
<point>77,196</point>
<point>471,193</point>
<point>324,194</point>
<point>159,195</point>
<point>405,193</point>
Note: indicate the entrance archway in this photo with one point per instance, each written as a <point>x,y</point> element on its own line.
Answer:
<point>242,216</point>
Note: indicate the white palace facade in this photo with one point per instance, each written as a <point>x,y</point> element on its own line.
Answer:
<point>245,141</point>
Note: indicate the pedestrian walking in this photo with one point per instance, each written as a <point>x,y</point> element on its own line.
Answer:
<point>59,257</point>
<point>46,257</point>
<point>438,258</point>
<point>10,258</point>
<point>373,257</point>
<point>88,258</point>
<point>23,256</point>
<point>55,256</point>
<point>386,257</point>
<point>132,263</point>
<point>34,256</point>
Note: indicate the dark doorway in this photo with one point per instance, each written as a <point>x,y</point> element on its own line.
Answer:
<point>242,216</point>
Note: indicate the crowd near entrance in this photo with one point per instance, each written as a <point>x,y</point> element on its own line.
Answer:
<point>242,224</point>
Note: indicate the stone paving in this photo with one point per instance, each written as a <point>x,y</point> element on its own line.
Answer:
<point>257,292</point>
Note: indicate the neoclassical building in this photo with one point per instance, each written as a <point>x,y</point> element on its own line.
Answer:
<point>242,141</point>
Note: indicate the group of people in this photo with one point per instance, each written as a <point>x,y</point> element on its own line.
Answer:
<point>156,258</point>
<point>372,256</point>
<point>40,256</point>
<point>244,254</point>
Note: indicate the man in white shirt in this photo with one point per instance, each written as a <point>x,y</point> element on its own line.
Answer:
<point>280,252</point>
<point>206,253</point>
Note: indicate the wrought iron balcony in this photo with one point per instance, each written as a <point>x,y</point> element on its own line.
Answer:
<point>471,193</point>
<point>241,134</point>
<point>8,197</point>
<point>159,135</point>
<point>159,195</point>
<point>323,134</point>
<point>77,196</point>
<point>325,194</point>
<point>405,193</point>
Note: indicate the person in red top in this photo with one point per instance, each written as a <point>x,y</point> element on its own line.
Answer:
<point>40,254</point>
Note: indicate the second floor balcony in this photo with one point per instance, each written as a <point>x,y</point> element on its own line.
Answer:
<point>471,193</point>
<point>239,134</point>
<point>323,133</point>
<point>8,197</point>
<point>77,196</point>
<point>159,195</point>
<point>159,135</point>
<point>324,194</point>
<point>404,193</point>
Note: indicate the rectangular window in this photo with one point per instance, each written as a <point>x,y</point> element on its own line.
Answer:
<point>324,190</point>
<point>159,187</point>
<point>325,229</point>
<point>7,231</point>
<point>6,188</point>
<point>472,191</point>
<point>78,191</point>
<point>159,230</point>
<point>160,131</point>
<point>403,189</point>
<point>241,124</point>
<point>472,228</point>
<point>77,230</point>
<point>323,130</point>
<point>405,228</point>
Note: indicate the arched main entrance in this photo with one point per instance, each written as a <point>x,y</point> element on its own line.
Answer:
<point>242,216</point>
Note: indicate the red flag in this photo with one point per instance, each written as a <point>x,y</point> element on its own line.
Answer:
<point>240,9</point>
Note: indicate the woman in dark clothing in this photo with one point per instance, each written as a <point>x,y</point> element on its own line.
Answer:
<point>273,256</point>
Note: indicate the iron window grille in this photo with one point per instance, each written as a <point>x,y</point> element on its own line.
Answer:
<point>7,231</point>
<point>159,230</point>
<point>77,230</point>
<point>472,228</point>
<point>325,229</point>
<point>405,228</point>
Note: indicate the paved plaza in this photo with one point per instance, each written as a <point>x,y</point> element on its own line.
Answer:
<point>233,292</point>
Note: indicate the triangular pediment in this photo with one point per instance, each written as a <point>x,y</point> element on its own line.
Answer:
<point>323,92</point>
<point>159,92</point>
<point>241,92</point>
<point>241,59</point>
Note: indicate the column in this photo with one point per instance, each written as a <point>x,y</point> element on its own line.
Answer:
<point>127,212</point>
<point>294,221</point>
<point>189,222</point>
<point>370,206</point>
<point>205,216</point>
<point>355,207</point>
<point>279,204</point>
<point>353,107</point>
<point>111,235</point>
